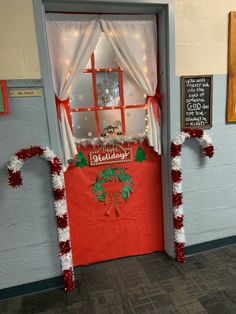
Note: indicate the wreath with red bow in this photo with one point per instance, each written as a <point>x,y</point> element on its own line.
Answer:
<point>113,200</point>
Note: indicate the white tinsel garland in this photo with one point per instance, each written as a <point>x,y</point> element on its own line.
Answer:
<point>110,141</point>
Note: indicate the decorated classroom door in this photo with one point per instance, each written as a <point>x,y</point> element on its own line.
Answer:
<point>104,71</point>
<point>106,224</point>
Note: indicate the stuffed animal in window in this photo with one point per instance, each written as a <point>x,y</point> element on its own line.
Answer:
<point>111,130</point>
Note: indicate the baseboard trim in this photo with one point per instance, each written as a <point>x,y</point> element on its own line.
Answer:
<point>210,245</point>
<point>28,288</point>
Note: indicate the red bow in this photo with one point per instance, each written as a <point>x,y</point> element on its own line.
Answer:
<point>154,100</point>
<point>114,200</point>
<point>66,104</point>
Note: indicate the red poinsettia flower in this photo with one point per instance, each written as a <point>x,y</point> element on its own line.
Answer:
<point>55,166</point>
<point>15,179</point>
<point>59,194</point>
<point>65,247</point>
<point>177,199</point>
<point>175,150</point>
<point>62,221</point>
<point>209,151</point>
<point>68,279</point>
<point>26,153</point>
<point>176,176</point>
<point>179,249</point>
<point>194,132</point>
<point>179,222</point>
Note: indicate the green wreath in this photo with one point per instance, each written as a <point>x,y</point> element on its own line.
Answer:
<point>118,174</point>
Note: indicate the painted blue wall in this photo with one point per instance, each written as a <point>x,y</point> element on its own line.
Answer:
<point>28,233</point>
<point>209,186</point>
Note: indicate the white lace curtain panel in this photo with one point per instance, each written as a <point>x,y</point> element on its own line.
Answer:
<point>72,39</point>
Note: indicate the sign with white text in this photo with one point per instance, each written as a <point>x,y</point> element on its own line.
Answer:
<point>106,156</point>
<point>196,101</point>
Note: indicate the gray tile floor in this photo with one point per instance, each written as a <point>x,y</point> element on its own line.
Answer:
<point>152,283</point>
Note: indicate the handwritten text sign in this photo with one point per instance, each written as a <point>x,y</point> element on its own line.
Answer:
<point>110,156</point>
<point>196,100</point>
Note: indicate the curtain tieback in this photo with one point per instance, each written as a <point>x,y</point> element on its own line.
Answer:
<point>154,101</point>
<point>66,104</point>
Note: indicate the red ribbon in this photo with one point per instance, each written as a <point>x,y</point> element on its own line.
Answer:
<point>154,100</point>
<point>114,200</point>
<point>66,104</point>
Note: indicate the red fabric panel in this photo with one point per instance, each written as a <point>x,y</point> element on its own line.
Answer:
<point>139,228</point>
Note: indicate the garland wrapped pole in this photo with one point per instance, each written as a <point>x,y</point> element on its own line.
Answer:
<point>58,188</point>
<point>176,176</point>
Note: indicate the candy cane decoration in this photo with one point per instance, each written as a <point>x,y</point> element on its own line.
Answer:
<point>176,176</point>
<point>58,188</point>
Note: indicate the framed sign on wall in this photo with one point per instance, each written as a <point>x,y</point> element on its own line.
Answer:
<point>196,101</point>
<point>4,101</point>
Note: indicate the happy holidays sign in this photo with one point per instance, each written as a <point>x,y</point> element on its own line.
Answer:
<point>112,155</point>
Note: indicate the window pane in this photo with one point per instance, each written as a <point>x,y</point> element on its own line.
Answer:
<point>110,122</point>
<point>84,125</point>
<point>132,93</point>
<point>107,59</point>
<point>108,89</point>
<point>82,97</point>
<point>135,121</point>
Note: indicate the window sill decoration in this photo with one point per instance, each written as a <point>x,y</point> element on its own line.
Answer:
<point>176,176</point>
<point>58,188</point>
<point>110,141</point>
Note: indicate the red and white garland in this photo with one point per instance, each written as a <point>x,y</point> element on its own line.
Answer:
<point>58,188</point>
<point>176,176</point>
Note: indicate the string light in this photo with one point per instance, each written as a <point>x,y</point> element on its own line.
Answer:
<point>145,70</point>
<point>76,33</point>
<point>89,109</point>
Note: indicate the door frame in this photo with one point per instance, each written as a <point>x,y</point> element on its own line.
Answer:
<point>168,83</point>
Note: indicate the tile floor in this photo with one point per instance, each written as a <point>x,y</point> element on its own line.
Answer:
<point>152,283</point>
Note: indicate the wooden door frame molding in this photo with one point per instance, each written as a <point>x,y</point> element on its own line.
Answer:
<point>231,93</point>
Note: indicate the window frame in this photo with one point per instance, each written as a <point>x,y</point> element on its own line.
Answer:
<point>95,107</point>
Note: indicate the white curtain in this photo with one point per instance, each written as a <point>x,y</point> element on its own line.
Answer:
<point>134,40</point>
<point>71,39</point>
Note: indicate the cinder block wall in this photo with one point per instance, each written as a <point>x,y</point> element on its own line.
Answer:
<point>28,241</point>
